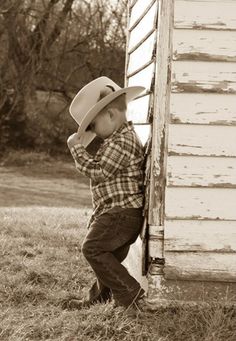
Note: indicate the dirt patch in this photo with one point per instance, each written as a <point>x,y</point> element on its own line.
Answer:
<point>46,184</point>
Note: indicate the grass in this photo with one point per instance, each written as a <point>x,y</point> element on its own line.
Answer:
<point>41,264</point>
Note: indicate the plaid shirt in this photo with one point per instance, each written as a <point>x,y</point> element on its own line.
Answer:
<point>116,171</point>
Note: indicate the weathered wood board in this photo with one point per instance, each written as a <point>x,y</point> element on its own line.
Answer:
<point>203,108</point>
<point>205,266</point>
<point>200,76</point>
<point>204,45</point>
<point>200,236</point>
<point>200,203</point>
<point>186,139</point>
<point>205,14</point>
<point>200,171</point>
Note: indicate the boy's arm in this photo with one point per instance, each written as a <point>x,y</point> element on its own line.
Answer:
<point>114,158</point>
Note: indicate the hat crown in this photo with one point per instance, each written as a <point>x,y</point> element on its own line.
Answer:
<point>90,95</point>
<point>95,96</point>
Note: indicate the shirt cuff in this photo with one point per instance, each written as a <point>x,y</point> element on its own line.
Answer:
<point>77,150</point>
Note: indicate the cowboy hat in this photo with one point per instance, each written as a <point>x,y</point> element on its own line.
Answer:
<point>93,97</point>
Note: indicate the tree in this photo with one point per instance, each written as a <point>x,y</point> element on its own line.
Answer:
<point>54,45</point>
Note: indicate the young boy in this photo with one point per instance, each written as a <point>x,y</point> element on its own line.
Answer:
<point>116,173</point>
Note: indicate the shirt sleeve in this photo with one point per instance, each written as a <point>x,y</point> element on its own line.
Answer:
<point>114,158</point>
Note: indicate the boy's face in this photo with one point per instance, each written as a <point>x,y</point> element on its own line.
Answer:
<point>103,125</point>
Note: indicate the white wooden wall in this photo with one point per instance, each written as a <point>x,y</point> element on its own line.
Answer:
<point>200,202</point>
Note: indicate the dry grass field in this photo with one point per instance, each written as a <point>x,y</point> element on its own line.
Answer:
<point>44,207</point>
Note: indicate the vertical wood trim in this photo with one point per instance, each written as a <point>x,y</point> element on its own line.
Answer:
<point>161,112</point>
<point>127,45</point>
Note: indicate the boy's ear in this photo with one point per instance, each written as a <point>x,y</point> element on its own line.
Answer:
<point>111,112</point>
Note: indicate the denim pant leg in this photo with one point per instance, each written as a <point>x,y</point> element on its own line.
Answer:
<point>99,292</point>
<point>108,233</point>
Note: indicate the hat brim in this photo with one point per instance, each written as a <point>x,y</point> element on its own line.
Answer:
<point>131,93</point>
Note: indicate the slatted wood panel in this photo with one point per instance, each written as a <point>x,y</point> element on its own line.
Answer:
<point>138,109</point>
<point>203,108</point>
<point>138,9</point>
<point>200,203</point>
<point>202,140</point>
<point>192,76</point>
<point>142,55</point>
<point>143,28</point>
<point>204,45</point>
<point>201,171</point>
<point>201,266</point>
<point>143,78</point>
<point>205,14</point>
<point>140,70</point>
<point>200,236</point>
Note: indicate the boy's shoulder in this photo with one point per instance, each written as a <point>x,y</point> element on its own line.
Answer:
<point>129,141</point>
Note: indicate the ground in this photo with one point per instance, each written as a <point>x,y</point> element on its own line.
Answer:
<point>44,207</point>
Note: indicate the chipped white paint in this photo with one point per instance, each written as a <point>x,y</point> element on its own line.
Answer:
<point>204,108</point>
<point>204,45</point>
<point>186,139</point>
<point>160,114</point>
<point>201,171</point>
<point>200,203</point>
<point>206,266</point>
<point>200,236</point>
<point>205,14</point>
<point>155,242</point>
<point>197,76</point>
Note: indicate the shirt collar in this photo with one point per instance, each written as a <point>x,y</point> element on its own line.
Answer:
<point>126,126</point>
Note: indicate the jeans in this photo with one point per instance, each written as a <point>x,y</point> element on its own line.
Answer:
<point>105,247</point>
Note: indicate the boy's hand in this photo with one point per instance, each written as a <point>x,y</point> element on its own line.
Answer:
<point>85,139</point>
<point>73,140</point>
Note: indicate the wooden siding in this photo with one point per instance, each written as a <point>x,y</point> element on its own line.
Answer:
<point>200,197</point>
<point>204,45</point>
<point>202,140</point>
<point>202,236</point>
<point>201,171</point>
<point>199,76</point>
<point>203,108</point>
<point>201,266</point>
<point>199,250</point>
<point>205,14</point>
<point>200,203</point>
